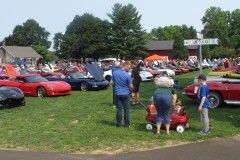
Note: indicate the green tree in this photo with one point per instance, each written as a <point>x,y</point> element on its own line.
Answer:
<point>188,32</point>
<point>57,40</point>
<point>234,32</point>
<point>215,23</point>
<point>43,51</point>
<point>168,32</point>
<point>29,34</point>
<point>126,36</point>
<point>220,52</point>
<point>179,50</point>
<point>85,36</point>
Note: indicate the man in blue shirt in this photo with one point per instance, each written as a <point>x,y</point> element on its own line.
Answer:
<point>117,66</point>
<point>123,86</point>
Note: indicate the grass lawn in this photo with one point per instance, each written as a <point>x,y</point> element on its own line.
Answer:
<point>84,122</point>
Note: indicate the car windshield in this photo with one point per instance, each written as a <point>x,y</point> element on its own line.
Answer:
<point>35,78</point>
<point>164,67</point>
<point>78,75</point>
<point>145,69</point>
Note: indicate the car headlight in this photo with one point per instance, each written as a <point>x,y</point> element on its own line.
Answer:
<point>2,97</point>
<point>94,85</point>
<point>21,92</point>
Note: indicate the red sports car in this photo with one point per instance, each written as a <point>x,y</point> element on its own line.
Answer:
<point>226,91</point>
<point>36,85</point>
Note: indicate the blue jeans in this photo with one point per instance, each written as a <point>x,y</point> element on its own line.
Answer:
<point>163,103</point>
<point>122,101</point>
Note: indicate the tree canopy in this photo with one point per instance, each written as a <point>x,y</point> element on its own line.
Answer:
<point>127,38</point>
<point>168,32</point>
<point>29,34</point>
<point>224,26</point>
<point>215,23</point>
<point>85,36</point>
<point>234,32</point>
<point>123,36</point>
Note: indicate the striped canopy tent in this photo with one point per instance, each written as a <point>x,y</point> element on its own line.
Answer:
<point>154,57</point>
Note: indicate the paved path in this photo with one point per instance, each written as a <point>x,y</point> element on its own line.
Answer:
<point>218,149</point>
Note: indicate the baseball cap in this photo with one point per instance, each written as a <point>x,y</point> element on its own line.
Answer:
<point>202,77</point>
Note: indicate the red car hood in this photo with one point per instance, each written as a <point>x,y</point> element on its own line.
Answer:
<point>57,84</point>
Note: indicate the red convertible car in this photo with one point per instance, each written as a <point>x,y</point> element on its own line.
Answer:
<point>35,85</point>
<point>223,91</point>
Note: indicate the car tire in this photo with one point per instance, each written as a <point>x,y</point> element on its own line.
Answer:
<point>180,129</point>
<point>149,127</point>
<point>84,86</point>
<point>215,99</point>
<point>41,92</point>
<point>108,77</point>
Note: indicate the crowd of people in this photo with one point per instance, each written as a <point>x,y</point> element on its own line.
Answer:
<point>165,97</point>
<point>126,87</point>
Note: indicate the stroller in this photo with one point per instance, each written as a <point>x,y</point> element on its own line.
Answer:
<point>178,121</point>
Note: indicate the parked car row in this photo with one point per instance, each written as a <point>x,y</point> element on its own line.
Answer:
<point>14,88</point>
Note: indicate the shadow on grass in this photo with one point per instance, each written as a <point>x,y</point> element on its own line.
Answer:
<point>107,123</point>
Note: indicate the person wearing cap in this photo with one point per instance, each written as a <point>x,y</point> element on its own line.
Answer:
<point>203,103</point>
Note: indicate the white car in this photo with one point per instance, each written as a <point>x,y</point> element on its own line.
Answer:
<point>107,74</point>
<point>146,76</point>
<point>205,64</point>
<point>169,71</point>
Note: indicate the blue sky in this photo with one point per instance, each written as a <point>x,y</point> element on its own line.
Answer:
<point>55,15</point>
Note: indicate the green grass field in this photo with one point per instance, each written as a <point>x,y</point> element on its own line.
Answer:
<point>84,122</point>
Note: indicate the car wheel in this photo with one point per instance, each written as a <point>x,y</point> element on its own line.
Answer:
<point>84,86</point>
<point>149,127</point>
<point>41,92</point>
<point>215,99</point>
<point>108,77</point>
<point>180,129</point>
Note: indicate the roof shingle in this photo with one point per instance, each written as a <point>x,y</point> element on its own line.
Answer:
<point>21,52</point>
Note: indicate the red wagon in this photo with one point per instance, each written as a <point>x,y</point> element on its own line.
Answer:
<point>178,121</point>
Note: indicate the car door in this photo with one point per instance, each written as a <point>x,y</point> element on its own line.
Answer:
<point>74,83</point>
<point>24,86</point>
<point>232,91</point>
<point>10,82</point>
